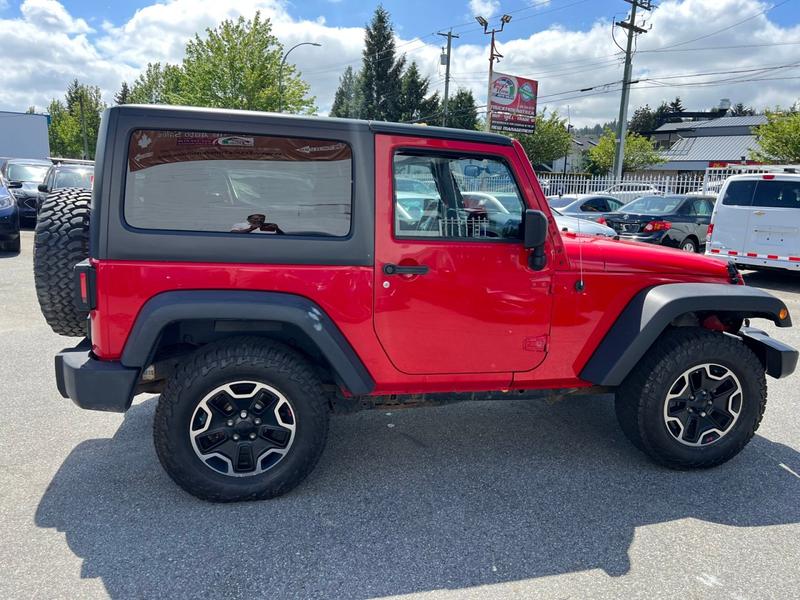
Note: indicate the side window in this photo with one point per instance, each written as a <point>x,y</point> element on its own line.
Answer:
<point>777,194</point>
<point>595,205</point>
<point>614,204</point>
<point>739,193</point>
<point>238,184</point>
<point>466,197</point>
<point>703,207</point>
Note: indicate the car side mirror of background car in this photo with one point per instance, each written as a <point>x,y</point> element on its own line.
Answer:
<point>14,185</point>
<point>42,187</point>
<point>534,231</point>
<point>472,171</point>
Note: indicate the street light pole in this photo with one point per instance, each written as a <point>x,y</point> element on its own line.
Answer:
<point>493,55</point>
<point>280,70</point>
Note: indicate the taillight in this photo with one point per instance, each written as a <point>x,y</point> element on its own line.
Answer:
<point>602,220</point>
<point>85,290</point>
<point>657,226</point>
<point>708,233</point>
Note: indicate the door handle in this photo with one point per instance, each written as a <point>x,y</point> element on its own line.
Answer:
<point>759,213</point>
<point>390,269</point>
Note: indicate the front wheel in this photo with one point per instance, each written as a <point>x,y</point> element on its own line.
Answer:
<point>694,400</point>
<point>242,419</point>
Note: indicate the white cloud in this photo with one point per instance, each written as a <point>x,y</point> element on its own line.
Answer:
<point>50,16</point>
<point>562,59</point>
<point>484,8</point>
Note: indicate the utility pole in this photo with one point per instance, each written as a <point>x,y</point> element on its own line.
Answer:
<point>449,35</point>
<point>493,55</point>
<point>83,128</point>
<point>622,121</point>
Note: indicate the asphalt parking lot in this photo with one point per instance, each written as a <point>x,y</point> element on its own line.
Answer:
<point>476,500</point>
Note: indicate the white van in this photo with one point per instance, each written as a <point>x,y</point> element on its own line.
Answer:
<point>756,221</point>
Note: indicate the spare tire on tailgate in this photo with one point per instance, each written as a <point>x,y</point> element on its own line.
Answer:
<point>61,241</point>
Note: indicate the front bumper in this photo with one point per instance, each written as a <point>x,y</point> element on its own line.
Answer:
<point>27,206</point>
<point>9,223</point>
<point>779,359</point>
<point>94,384</point>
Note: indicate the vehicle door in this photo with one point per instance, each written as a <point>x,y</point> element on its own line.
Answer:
<point>774,224</point>
<point>731,216</point>
<point>454,292</point>
<point>702,209</point>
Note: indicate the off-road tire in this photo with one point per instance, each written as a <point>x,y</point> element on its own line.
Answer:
<point>11,246</point>
<point>232,359</point>
<point>61,241</point>
<point>640,399</point>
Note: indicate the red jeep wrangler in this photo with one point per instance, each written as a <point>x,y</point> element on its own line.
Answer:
<point>259,270</point>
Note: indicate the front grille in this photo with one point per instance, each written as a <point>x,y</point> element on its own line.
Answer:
<point>30,203</point>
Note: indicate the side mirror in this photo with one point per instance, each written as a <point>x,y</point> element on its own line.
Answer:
<point>472,171</point>
<point>42,187</point>
<point>14,185</point>
<point>534,228</point>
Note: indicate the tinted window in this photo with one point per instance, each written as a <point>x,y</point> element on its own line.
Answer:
<point>244,184</point>
<point>613,203</point>
<point>653,205</point>
<point>71,178</point>
<point>595,205</point>
<point>739,193</point>
<point>33,173</point>
<point>465,198</point>
<point>777,194</point>
<point>703,207</point>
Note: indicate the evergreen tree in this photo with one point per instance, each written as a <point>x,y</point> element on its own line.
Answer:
<point>414,105</point>
<point>676,106</point>
<point>662,115</point>
<point>643,120</point>
<point>123,95</point>
<point>740,110</point>
<point>462,112</point>
<point>346,102</point>
<point>65,130</point>
<point>381,72</point>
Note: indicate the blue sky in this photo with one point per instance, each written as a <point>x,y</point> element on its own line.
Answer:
<point>415,17</point>
<point>565,44</point>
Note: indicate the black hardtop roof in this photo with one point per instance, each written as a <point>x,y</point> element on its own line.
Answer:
<point>329,123</point>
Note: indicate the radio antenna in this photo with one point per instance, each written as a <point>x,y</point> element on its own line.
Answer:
<point>580,285</point>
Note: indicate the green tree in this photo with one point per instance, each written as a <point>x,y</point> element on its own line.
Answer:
<point>381,73</point>
<point>639,153</point>
<point>676,106</point>
<point>65,130</point>
<point>123,95</point>
<point>415,105</point>
<point>238,65</point>
<point>347,100</point>
<point>550,140</point>
<point>462,112</point>
<point>643,120</point>
<point>159,84</point>
<point>779,138</point>
<point>740,110</point>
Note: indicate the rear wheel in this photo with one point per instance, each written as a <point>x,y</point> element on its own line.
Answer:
<point>61,241</point>
<point>694,400</point>
<point>689,245</point>
<point>242,419</point>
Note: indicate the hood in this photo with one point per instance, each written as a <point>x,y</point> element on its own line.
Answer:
<point>605,254</point>
<point>29,188</point>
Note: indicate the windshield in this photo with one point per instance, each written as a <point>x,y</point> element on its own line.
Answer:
<point>18,172</point>
<point>412,185</point>
<point>560,201</point>
<point>82,179</point>
<point>653,205</point>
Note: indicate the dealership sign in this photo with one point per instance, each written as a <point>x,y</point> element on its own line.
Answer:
<point>512,103</point>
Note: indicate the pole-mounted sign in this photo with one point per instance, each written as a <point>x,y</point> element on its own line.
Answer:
<point>512,102</point>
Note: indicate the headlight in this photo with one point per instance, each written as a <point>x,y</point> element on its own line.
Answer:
<point>6,201</point>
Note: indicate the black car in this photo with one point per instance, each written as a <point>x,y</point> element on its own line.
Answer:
<point>24,176</point>
<point>66,176</point>
<point>678,221</point>
<point>9,220</point>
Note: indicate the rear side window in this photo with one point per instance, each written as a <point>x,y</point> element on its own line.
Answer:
<point>238,184</point>
<point>777,194</point>
<point>739,193</point>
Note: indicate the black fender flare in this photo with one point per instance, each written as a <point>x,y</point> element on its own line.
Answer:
<point>654,308</point>
<point>235,305</point>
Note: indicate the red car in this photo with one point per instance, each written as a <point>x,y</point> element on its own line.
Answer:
<point>259,270</point>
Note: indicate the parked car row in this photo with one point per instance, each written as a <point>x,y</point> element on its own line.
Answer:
<point>24,185</point>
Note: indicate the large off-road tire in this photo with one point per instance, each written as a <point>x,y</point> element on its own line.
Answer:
<point>244,418</point>
<point>61,241</point>
<point>694,400</point>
